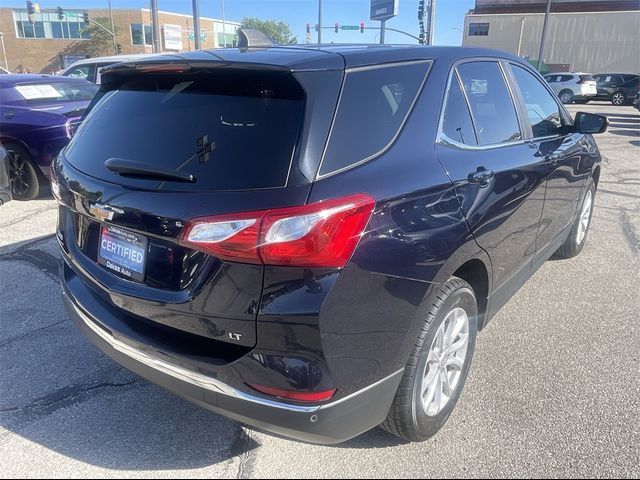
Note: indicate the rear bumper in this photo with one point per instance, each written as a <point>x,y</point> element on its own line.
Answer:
<point>327,423</point>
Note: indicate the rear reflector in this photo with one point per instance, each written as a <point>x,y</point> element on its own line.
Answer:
<point>297,396</point>
<point>321,234</point>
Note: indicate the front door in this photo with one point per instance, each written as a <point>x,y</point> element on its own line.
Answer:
<point>497,176</point>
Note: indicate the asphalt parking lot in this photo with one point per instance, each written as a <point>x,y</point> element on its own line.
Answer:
<point>554,390</point>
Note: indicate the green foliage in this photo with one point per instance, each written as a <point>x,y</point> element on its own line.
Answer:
<point>101,42</point>
<point>279,32</point>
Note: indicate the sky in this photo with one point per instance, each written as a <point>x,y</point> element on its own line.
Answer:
<point>297,13</point>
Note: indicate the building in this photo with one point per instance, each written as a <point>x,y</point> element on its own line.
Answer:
<point>52,40</point>
<point>582,35</point>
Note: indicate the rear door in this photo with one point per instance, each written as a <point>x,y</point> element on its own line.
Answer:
<point>498,180</point>
<point>560,151</point>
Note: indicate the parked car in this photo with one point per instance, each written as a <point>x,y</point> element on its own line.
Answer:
<point>636,101</point>
<point>308,239</point>
<point>572,87</point>
<point>618,88</point>
<point>37,116</point>
<point>90,68</point>
<point>5,182</point>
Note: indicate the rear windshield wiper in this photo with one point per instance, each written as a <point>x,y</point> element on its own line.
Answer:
<point>131,168</point>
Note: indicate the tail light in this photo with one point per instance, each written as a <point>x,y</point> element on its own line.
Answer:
<point>322,234</point>
<point>297,396</point>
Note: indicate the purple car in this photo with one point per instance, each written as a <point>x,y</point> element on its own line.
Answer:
<point>38,114</point>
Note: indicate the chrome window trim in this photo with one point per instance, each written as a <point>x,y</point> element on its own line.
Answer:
<point>320,176</point>
<point>443,139</point>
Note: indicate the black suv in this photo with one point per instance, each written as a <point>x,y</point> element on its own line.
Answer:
<point>307,239</point>
<point>618,88</point>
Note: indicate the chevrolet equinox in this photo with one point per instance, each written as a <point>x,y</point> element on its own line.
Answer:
<point>307,239</point>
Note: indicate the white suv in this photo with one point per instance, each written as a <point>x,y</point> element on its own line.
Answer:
<point>572,87</point>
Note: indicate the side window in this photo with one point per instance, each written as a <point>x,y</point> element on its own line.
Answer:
<point>566,78</point>
<point>81,71</point>
<point>550,78</point>
<point>492,109</point>
<point>542,109</point>
<point>456,121</point>
<point>373,107</point>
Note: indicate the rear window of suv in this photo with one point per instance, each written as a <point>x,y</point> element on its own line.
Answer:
<point>230,129</point>
<point>374,104</point>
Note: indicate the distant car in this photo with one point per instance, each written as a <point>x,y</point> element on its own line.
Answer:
<point>572,87</point>
<point>636,101</point>
<point>618,88</point>
<point>37,116</point>
<point>5,182</point>
<point>89,69</point>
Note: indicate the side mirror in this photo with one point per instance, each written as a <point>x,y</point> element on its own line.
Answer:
<point>590,123</point>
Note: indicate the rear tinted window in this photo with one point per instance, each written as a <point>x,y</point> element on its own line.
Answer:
<point>231,130</point>
<point>373,107</point>
<point>587,78</point>
<point>494,114</point>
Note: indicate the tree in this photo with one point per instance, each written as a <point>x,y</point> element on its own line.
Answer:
<point>279,32</point>
<point>101,42</point>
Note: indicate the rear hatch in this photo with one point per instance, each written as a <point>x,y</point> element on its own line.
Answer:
<point>587,84</point>
<point>164,144</point>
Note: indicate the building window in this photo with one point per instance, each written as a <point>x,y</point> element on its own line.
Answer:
<point>227,40</point>
<point>478,29</point>
<point>140,38</point>
<point>47,25</point>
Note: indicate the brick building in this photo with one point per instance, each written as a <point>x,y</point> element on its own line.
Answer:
<point>51,41</point>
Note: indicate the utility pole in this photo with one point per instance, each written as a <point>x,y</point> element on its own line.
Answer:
<point>224,26</point>
<point>4,52</point>
<point>319,22</point>
<point>382,31</point>
<point>155,29</point>
<point>113,28</point>
<point>432,21</point>
<point>544,34</point>
<point>196,24</point>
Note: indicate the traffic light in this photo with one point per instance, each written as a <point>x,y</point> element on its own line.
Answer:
<point>60,13</point>
<point>421,10</point>
<point>308,28</point>
<point>361,27</point>
<point>337,27</point>
<point>118,48</point>
<point>30,9</point>
<point>86,17</point>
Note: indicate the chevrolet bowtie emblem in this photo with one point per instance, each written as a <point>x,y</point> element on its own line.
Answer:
<point>103,212</point>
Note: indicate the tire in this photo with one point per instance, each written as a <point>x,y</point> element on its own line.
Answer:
<point>574,243</point>
<point>408,417</point>
<point>25,178</point>
<point>618,98</point>
<point>566,96</point>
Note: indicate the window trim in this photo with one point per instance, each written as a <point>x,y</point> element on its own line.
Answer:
<point>393,139</point>
<point>443,139</point>
<point>566,117</point>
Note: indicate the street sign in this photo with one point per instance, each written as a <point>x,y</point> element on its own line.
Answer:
<point>383,9</point>
<point>349,27</point>
<point>71,14</point>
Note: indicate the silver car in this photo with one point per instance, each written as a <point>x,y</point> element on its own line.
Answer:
<point>572,87</point>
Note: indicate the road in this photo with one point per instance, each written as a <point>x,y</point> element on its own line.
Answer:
<point>554,390</point>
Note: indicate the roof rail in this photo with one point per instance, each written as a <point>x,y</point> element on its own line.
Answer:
<point>253,38</point>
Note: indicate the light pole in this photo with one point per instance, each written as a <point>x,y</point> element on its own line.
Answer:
<point>196,24</point>
<point>319,22</point>
<point>4,53</point>
<point>544,34</point>
<point>224,26</point>
<point>113,28</point>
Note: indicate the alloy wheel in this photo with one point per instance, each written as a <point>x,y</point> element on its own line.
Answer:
<point>19,174</point>
<point>566,97</point>
<point>445,361</point>
<point>617,98</point>
<point>585,217</point>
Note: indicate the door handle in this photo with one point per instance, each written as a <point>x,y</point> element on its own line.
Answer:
<point>481,176</point>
